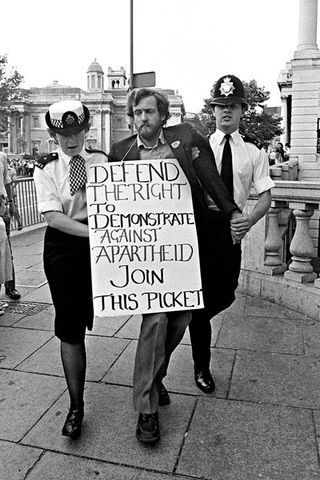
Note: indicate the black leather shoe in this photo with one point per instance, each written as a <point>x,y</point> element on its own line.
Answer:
<point>13,294</point>
<point>204,381</point>
<point>164,398</point>
<point>73,423</point>
<point>148,431</point>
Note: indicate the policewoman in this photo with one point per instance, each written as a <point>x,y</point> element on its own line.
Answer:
<point>241,164</point>
<point>60,179</point>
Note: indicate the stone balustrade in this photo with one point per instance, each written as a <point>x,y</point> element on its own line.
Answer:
<point>265,269</point>
<point>288,170</point>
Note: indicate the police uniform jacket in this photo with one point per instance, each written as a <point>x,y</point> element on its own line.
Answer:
<point>181,138</point>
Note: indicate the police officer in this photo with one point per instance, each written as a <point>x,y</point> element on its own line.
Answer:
<point>60,179</point>
<point>241,164</point>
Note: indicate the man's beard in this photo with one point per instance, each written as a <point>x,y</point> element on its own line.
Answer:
<point>148,131</point>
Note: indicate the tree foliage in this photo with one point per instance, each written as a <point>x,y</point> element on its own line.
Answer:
<point>256,122</point>
<point>10,90</point>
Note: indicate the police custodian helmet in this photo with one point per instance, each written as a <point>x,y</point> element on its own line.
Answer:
<point>228,89</point>
<point>67,117</point>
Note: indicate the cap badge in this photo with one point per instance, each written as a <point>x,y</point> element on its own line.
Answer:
<point>226,87</point>
<point>175,144</point>
<point>70,119</point>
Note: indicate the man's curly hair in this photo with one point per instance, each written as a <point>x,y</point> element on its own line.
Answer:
<point>137,94</point>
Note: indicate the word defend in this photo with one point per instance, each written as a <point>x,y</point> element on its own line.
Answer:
<point>144,249</point>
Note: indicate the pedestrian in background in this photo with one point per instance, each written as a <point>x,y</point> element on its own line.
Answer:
<point>60,179</point>
<point>6,191</point>
<point>6,267</point>
<point>16,213</point>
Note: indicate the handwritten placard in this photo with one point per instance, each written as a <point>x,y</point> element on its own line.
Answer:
<point>144,250</point>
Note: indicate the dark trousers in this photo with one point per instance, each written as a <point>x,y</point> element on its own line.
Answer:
<point>220,262</point>
<point>10,284</point>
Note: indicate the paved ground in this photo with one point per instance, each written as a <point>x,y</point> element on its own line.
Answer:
<point>263,421</point>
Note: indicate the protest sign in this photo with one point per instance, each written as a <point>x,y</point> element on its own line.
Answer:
<point>144,250</point>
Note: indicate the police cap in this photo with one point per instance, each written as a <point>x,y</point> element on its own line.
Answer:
<point>229,89</point>
<point>67,117</point>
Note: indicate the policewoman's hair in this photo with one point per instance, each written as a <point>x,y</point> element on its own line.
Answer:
<point>137,94</point>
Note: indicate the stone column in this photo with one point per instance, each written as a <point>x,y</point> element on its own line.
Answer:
<point>98,117</point>
<point>107,130</point>
<point>300,269</point>
<point>9,135</point>
<point>305,67</point>
<point>308,15</point>
<point>273,244</point>
<point>284,122</point>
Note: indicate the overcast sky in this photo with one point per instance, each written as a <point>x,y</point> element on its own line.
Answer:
<point>188,43</point>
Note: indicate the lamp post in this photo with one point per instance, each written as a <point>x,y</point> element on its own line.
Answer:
<point>131,45</point>
<point>131,86</point>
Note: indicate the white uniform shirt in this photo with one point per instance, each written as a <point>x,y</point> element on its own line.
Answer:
<point>53,185</point>
<point>249,164</point>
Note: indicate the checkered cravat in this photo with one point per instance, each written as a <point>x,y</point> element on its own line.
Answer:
<point>78,174</point>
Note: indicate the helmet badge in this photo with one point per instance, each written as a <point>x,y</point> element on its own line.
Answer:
<point>227,87</point>
<point>70,120</point>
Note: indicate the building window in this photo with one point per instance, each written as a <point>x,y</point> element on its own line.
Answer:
<point>99,83</point>
<point>52,145</point>
<point>93,81</point>
<point>36,123</point>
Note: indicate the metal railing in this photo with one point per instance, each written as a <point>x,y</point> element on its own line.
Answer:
<point>25,199</point>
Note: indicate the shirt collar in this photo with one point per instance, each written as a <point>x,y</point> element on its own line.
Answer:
<point>66,158</point>
<point>141,145</point>
<point>234,135</point>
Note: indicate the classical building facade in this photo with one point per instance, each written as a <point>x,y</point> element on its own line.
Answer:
<point>299,84</point>
<point>281,253</point>
<point>106,99</point>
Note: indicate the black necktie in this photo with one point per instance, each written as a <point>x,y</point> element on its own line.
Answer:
<point>226,165</point>
<point>78,174</point>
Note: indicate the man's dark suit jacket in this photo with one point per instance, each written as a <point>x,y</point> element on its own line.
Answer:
<point>181,138</point>
<point>201,172</point>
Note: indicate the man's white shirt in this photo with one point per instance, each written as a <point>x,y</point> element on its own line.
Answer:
<point>250,165</point>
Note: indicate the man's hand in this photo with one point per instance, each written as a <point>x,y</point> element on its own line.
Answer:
<point>235,237</point>
<point>240,225</point>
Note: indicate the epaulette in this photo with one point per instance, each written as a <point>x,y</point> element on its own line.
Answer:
<point>92,150</point>
<point>245,138</point>
<point>46,158</point>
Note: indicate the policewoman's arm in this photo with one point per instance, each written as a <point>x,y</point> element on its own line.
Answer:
<point>65,224</point>
<point>49,205</point>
